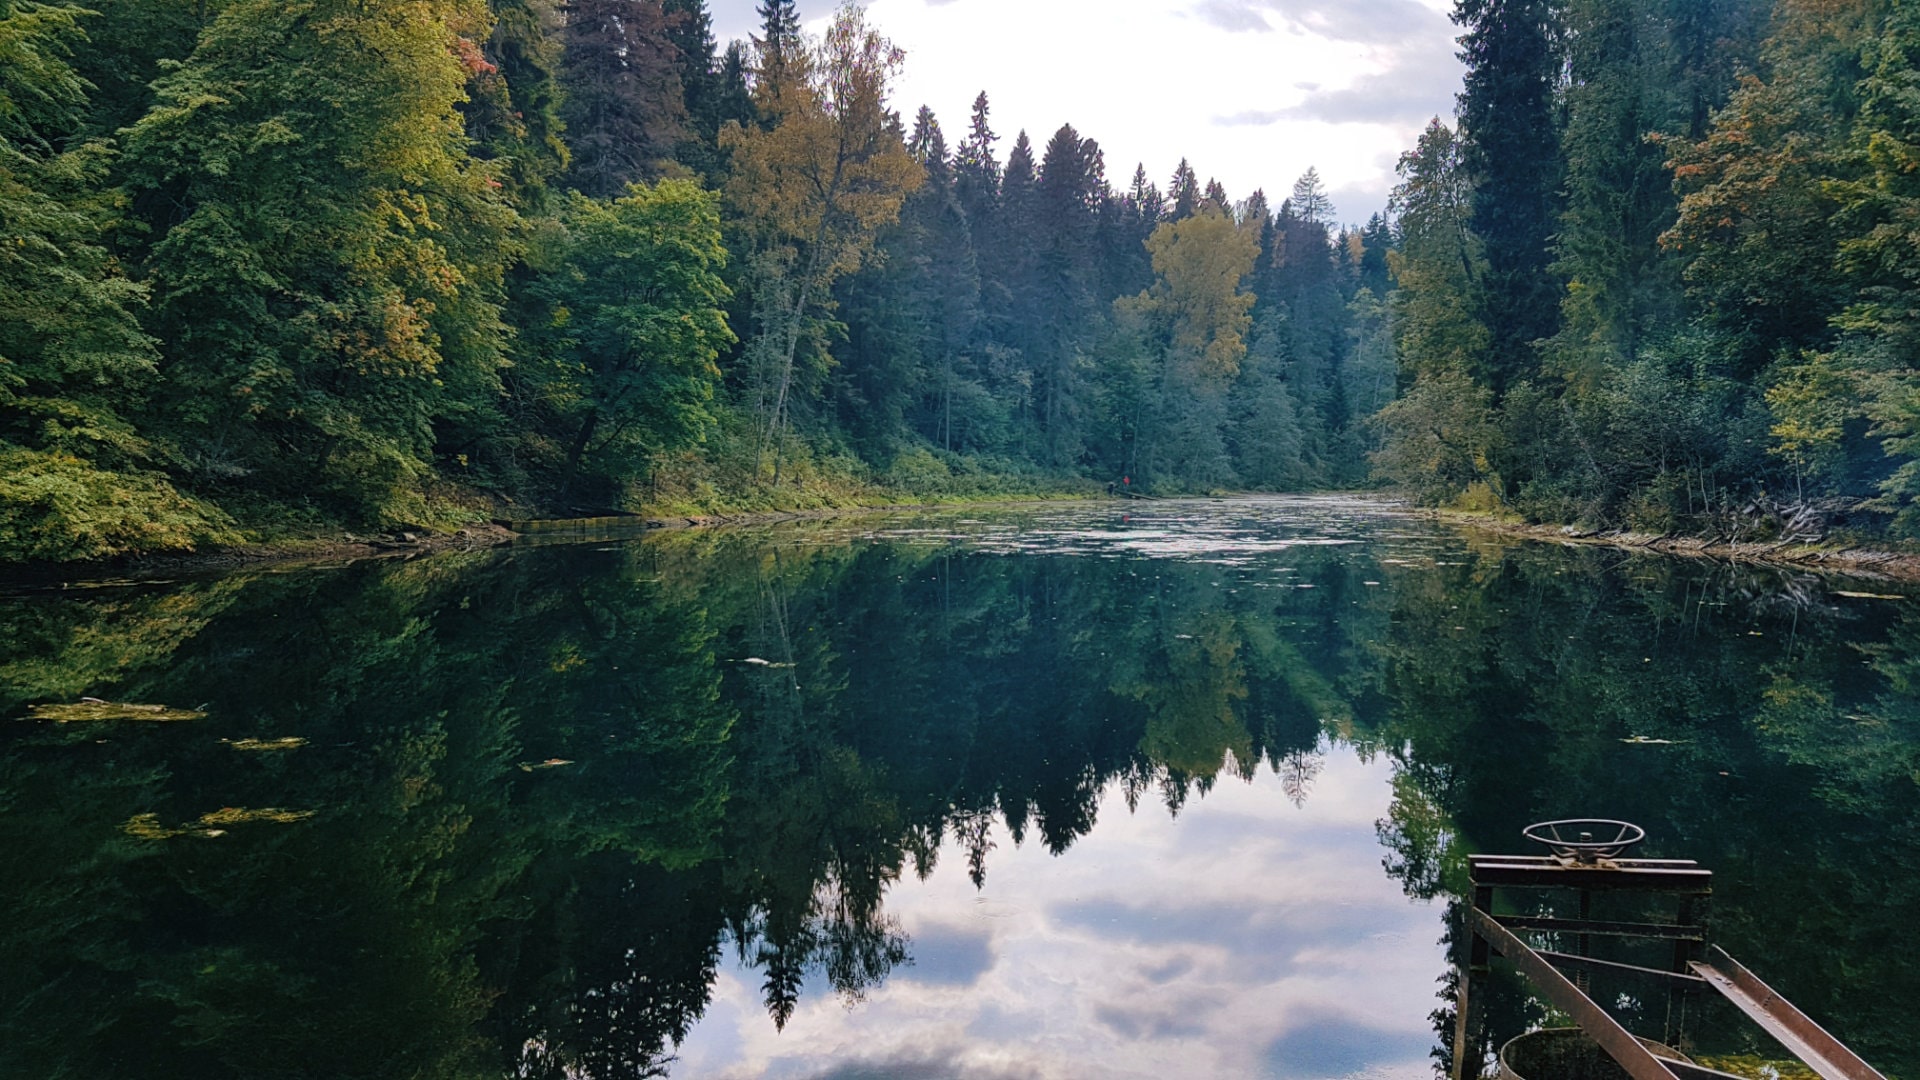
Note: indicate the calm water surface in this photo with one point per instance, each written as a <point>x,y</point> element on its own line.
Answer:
<point>1054,792</point>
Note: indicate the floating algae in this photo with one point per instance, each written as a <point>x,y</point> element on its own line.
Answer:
<point>289,743</point>
<point>148,827</point>
<point>95,709</point>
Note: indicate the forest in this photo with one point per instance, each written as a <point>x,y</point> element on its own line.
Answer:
<point>279,265</point>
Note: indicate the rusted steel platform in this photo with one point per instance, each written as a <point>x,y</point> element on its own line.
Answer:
<point>1693,968</point>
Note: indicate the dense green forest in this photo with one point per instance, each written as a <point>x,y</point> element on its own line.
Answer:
<point>320,263</point>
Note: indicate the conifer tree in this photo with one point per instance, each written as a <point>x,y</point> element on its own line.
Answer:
<point>1621,286</point>
<point>1067,196</point>
<point>624,107</point>
<point>778,53</point>
<point>1376,240</point>
<point>513,99</point>
<point>1509,121</point>
<point>977,173</point>
<point>1183,192</point>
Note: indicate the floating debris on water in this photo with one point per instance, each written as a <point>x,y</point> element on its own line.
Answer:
<point>1642,740</point>
<point>757,662</point>
<point>88,708</point>
<point>291,742</point>
<point>1868,595</point>
<point>550,763</point>
<point>212,824</point>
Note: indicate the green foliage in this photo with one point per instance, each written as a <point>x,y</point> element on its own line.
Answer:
<point>1439,438</point>
<point>332,289</point>
<point>59,508</point>
<point>634,325</point>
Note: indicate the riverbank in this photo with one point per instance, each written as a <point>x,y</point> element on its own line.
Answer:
<point>1831,557</point>
<point>328,547</point>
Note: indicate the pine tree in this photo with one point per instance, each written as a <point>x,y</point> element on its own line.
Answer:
<point>1310,201</point>
<point>624,108</point>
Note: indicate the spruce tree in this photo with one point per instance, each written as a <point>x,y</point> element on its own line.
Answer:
<point>977,174</point>
<point>1510,122</point>
<point>1067,197</point>
<point>1377,241</point>
<point>624,108</point>
<point>1183,192</point>
<point>513,99</point>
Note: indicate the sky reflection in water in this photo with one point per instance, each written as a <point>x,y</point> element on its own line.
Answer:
<point>1246,937</point>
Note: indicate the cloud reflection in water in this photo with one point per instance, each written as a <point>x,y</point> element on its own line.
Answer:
<point>1246,937</point>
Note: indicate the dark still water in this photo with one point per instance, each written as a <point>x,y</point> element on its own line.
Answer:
<point>1041,793</point>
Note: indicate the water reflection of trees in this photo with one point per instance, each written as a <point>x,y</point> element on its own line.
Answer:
<point>491,913</point>
<point>1529,684</point>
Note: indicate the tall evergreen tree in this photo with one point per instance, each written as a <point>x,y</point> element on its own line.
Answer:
<point>1510,123</point>
<point>1067,197</point>
<point>1377,240</point>
<point>1183,192</point>
<point>977,173</point>
<point>778,52</point>
<point>513,98</point>
<point>624,107</point>
<point>1621,285</point>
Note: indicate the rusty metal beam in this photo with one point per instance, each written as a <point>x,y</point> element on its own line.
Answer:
<point>1544,860</point>
<point>1565,996</point>
<point>1554,924</point>
<point>1561,959</point>
<point>1526,875</point>
<point>1796,1031</point>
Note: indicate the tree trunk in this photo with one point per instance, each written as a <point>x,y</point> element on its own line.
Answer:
<point>579,447</point>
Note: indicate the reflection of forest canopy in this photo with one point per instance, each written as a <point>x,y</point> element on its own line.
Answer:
<point>569,920</point>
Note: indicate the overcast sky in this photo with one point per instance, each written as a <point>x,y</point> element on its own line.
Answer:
<point>1250,91</point>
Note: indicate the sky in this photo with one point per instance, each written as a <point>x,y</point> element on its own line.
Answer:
<point>1249,936</point>
<point>1251,92</point>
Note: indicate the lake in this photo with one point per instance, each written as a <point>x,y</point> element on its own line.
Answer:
<point>1170,789</point>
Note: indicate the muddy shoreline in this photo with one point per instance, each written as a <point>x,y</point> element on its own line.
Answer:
<point>1825,558</point>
